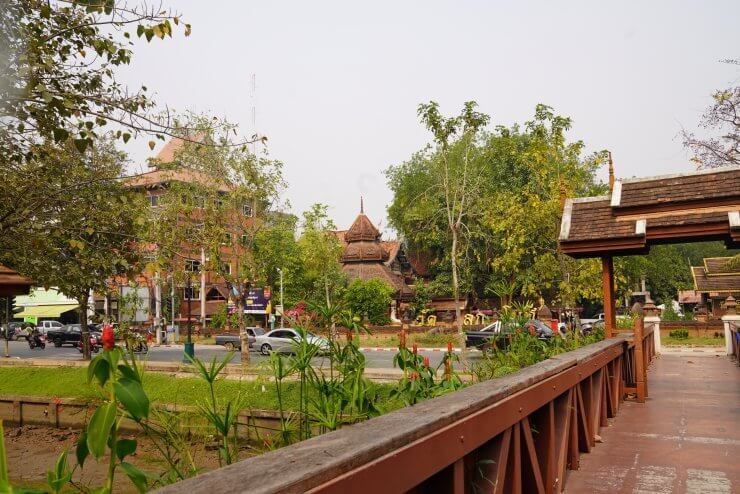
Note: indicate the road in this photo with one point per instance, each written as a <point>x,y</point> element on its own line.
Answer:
<point>174,353</point>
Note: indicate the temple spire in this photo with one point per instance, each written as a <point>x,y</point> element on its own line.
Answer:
<point>611,173</point>
<point>362,206</point>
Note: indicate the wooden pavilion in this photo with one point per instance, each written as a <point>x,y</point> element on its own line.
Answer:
<point>641,212</point>
<point>12,283</point>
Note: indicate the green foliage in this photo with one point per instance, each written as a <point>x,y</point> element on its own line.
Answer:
<point>222,318</point>
<point>679,334</point>
<point>525,349</point>
<point>371,298</point>
<point>509,243</point>
<point>419,381</point>
<point>422,296</point>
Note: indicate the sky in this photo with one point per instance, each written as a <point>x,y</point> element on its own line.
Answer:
<point>338,83</point>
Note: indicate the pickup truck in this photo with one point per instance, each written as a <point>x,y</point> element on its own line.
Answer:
<point>497,333</point>
<point>233,342</point>
<point>68,334</point>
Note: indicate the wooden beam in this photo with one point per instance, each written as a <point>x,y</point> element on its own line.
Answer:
<point>607,282</point>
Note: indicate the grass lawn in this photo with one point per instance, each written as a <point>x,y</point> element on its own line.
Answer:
<point>693,341</point>
<point>161,388</point>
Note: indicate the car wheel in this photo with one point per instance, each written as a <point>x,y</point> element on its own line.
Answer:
<point>57,342</point>
<point>229,346</point>
<point>265,349</point>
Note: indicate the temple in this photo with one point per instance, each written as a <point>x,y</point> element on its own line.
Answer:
<point>366,256</point>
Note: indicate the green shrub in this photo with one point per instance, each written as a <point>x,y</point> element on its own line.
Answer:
<point>679,334</point>
<point>372,297</point>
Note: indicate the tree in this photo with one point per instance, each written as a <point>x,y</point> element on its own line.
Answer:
<point>509,247</point>
<point>218,212</point>
<point>456,177</point>
<point>723,117</point>
<point>320,251</point>
<point>59,93</point>
<point>371,298</point>
<point>95,239</point>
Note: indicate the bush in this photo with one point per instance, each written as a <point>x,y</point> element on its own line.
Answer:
<point>372,297</point>
<point>679,334</point>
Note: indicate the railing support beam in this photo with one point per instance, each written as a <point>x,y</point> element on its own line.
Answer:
<point>640,365</point>
<point>607,282</point>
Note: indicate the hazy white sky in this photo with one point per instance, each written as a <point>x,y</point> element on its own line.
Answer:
<point>338,83</point>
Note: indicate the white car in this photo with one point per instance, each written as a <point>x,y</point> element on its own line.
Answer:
<point>284,340</point>
<point>44,326</point>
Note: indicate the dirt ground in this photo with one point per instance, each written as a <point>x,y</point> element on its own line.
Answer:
<point>33,450</point>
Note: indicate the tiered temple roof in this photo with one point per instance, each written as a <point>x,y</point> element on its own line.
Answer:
<point>365,255</point>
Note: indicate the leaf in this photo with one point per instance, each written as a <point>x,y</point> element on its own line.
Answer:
<point>151,145</point>
<point>138,477</point>
<point>99,368</point>
<point>99,428</point>
<point>128,373</point>
<point>82,452</point>
<point>126,136</point>
<point>131,395</point>
<point>139,30</point>
<point>125,447</point>
<point>81,144</point>
<point>60,134</point>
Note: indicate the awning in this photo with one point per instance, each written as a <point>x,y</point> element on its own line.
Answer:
<point>44,310</point>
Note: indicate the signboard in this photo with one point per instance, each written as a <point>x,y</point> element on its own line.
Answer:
<point>32,319</point>
<point>258,301</point>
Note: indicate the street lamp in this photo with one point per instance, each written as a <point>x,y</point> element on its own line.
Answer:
<point>189,346</point>
<point>282,307</point>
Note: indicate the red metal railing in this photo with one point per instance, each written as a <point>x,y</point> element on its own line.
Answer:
<point>519,433</point>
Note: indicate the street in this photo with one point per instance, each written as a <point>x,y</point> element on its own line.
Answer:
<point>375,359</point>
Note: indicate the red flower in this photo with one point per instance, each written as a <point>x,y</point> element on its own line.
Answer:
<point>426,361</point>
<point>108,339</point>
<point>413,376</point>
<point>415,348</point>
<point>449,347</point>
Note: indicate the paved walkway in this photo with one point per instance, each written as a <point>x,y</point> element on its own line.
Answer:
<point>684,439</point>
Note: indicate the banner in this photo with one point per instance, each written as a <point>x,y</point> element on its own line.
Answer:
<point>258,301</point>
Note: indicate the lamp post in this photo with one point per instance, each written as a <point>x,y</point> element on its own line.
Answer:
<point>282,307</point>
<point>189,347</point>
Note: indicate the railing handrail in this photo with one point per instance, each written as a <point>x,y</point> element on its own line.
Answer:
<point>313,462</point>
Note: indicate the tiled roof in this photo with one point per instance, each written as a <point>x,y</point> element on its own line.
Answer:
<point>364,251</point>
<point>371,271</point>
<point>361,229</point>
<point>162,176</point>
<point>592,219</point>
<point>684,188</point>
<point>642,212</point>
<point>726,283</point>
<point>12,283</point>
<point>718,266</point>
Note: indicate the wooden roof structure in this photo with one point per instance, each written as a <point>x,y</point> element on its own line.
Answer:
<point>12,283</point>
<point>642,212</point>
<point>716,277</point>
<point>365,256</point>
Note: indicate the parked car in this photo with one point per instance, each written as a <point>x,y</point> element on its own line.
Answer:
<point>69,334</point>
<point>234,342</point>
<point>486,337</point>
<point>45,326</point>
<point>15,330</point>
<point>284,340</point>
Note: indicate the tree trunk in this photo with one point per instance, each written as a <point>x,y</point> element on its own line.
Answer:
<point>240,324</point>
<point>456,297</point>
<point>84,330</point>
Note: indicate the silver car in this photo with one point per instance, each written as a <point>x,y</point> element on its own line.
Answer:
<point>284,340</point>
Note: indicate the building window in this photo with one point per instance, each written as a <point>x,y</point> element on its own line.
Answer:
<point>227,239</point>
<point>192,265</point>
<point>245,239</point>
<point>226,268</point>
<point>153,201</point>
<point>191,293</point>
<point>248,211</point>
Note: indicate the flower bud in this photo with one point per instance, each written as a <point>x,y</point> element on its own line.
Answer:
<point>426,361</point>
<point>415,348</point>
<point>108,339</point>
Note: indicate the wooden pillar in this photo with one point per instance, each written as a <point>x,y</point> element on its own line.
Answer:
<point>640,364</point>
<point>607,281</point>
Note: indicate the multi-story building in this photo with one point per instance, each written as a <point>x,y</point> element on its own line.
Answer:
<point>205,292</point>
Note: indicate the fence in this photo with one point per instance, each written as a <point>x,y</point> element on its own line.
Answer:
<point>518,433</point>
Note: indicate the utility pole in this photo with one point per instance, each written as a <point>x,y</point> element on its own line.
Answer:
<point>189,347</point>
<point>157,309</point>
<point>7,326</point>
<point>282,307</point>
